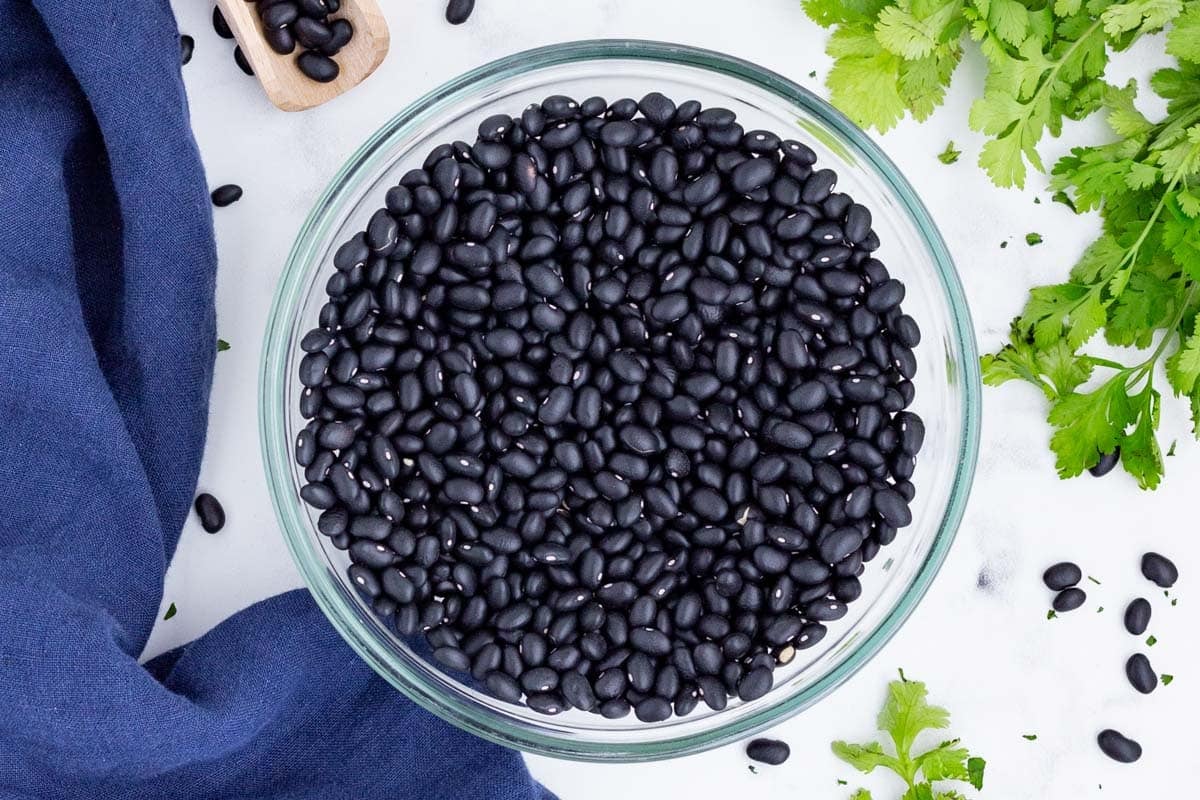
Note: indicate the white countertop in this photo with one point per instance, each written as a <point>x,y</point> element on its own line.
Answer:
<point>980,639</point>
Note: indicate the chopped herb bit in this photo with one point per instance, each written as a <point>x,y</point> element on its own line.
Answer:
<point>752,768</point>
<point>1171,449</point>
<point>901,671</point>
<point>1033,239</point>
<point>1037,201</point>
<point>841,782</point>
<point>1032,737</point>
<point>1174,601</point>
<point>812,74</point>
<point>1064,198</point>
<point>171,611</point>
<point>222,345</point>
<point>1166,679</point>
<point>1051,614</point>
<point>950,154</point>
<point>1004,244</point>
<point>1151,641</point>
<point>1093,580</point>
<point>1098,610</point>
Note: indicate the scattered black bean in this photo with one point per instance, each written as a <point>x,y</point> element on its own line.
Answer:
<point>457,11</point>
<point>1118,747</point>
<point>1137,616</point>
<point>627,431</point>
<point>768,751</point>
<point>1062,576</point>
<point>239,58</point>
<point>1141,675</point>
<point>1106,463</point>
<point>1069,599</point>
<point>227,194</point>
<point>212,515</point>
<point>1160,570</point>
<point>187,46</point>
<point>220,25</point>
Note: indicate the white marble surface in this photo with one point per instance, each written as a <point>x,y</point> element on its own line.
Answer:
<point>980,638</point>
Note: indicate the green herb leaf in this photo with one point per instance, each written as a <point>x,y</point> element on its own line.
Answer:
<point>1151,641</point>
<point>1033,239</point>
<point>950,154</point>
<point>1030,737</point>
<point>171,611</point>
<point>906,715</point>
<point>222,345</point>
<point>1166,679</point>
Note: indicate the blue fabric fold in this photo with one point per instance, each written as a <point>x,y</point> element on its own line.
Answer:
<point>107,342</point>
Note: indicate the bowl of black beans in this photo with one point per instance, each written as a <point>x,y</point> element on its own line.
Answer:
<point>619,399</point>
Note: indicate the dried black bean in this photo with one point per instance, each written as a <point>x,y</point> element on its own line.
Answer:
<point>768,751</point>
<point>1118,747</point>
<point>1137,616</point>
<point>1140,674</point>
<point>1062,576</point>
<point>1160,570</point>
<point>226,195</point>
<point>457,11</point>
<point>1069,599</point>
<point>212,515</point>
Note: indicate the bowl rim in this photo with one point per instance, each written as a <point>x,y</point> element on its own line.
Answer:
<point>277,457</point>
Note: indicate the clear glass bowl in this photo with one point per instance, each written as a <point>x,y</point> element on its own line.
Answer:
<point>947,394</point>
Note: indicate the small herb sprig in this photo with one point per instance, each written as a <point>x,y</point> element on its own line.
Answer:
<point>905,715</point>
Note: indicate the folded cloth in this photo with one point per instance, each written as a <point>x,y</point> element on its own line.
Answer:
<point>107,340</point>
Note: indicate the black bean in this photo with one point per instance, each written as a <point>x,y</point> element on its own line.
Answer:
<point>1140,674</point>
<point>220,25</point>
<point>1137,616</point>
<point>768,751</point>
<point>317,66</point>
<point>341,32</point>
<point>1069,599</point>
<point>1062,576</point>
<point>226,195</point>
<point>755,683</point>
<point>212,515</point>
<point>457,11</point>
<point>1118,747</point>
<point>239,58</point>
<point>187,46</point>
<point>1160,570</point>
<point>1106,463</point>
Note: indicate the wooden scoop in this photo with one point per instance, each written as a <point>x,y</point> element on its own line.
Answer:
<point>286,86</point>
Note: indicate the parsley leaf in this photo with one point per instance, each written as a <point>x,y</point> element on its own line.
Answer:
<point>1032,239</point>
<point>171,611</point>
<point>950,154</point>
<point>222,345</point>
<point>1166,679</point>
<point>905,716</point>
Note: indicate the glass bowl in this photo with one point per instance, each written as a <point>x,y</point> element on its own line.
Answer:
<point>947,394</point>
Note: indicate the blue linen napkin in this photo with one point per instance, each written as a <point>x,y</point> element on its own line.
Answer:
<point>107,338</point>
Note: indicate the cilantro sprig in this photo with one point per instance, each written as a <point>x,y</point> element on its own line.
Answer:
<point>906,714</point>
<point>1139,282</point>
<point>1045,62</point>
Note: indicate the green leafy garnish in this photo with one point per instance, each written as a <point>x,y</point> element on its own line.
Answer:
<point>171,611</point>
<point>1051,614</point>
<point>222,345</point>
<point>1032,239</point>
<point>950,154</point>
<point>1139,282</point>
<point>1151,641</point>
<point>1029,737</point>
<point>1166,679</point>
<point>907,714</point>
<point>1045,63</point>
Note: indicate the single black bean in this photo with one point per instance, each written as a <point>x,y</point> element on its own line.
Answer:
<point>1160,570</point>
<point>1061,576</point>
<point>1069,599</point>
<point>768,751</point>
<point>317,66</point>
<point>1137,616</point>
<point>226,195</point>
<point>1118,747</point>
<point>212,515</point>
<point>457,11</point>
<point>1140,674</point>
